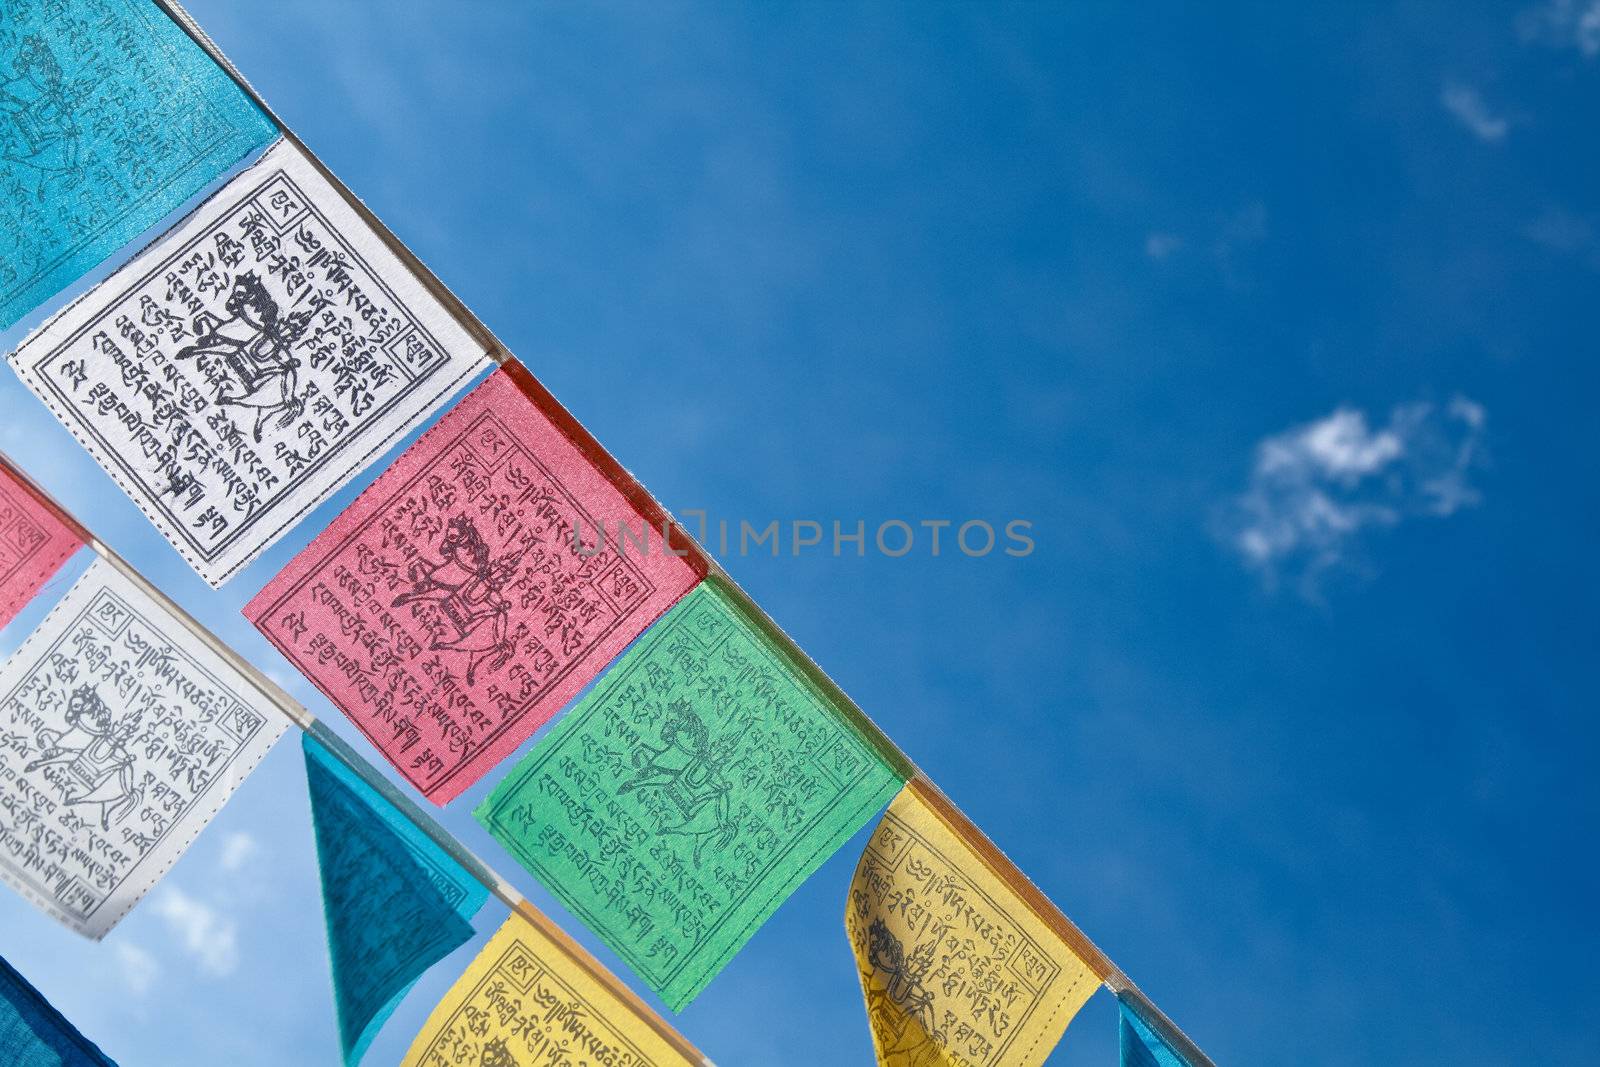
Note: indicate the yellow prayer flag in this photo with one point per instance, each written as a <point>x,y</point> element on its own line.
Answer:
<point>526,1002</point>
<point>956,967</point>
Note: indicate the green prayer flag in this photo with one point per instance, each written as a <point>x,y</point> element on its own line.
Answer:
<point>689,793</point>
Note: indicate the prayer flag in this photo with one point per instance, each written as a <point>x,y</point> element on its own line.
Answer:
<point>955,967</point>
<point>1141,1045</point>
<point>124,737</point>
<point>689,793</point>
<point>451,610</point>
<point>249,363</point>
<point>395,902</point>
<point>111,118</point>
<point>34,1034</point>
<point>525,1002</point>
<point>34,543</point>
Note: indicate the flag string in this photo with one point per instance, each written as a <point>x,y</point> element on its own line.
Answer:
<point>1112,975</point>
<point>437,288</point>
<point>302,717</point>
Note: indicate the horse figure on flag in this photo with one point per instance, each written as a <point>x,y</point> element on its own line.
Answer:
<point>687,772</point>
<point>466,588</point>
<point>902,1010</point>
<point>37,127</point>
<point>497,1053</point>
<point>94,752</point>
<point>255,367</point>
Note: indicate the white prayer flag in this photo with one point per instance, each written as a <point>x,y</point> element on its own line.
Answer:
<point>249,363</point>
<point>120,737</point>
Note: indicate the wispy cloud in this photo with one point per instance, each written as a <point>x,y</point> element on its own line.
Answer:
<point>1314,489</point>
<point>1566,233</point>
<point>1227,239</point>
<point>1560,231</point>
<point>1469,109</point>
<point>1564,24</point>
<point>204,934</point>
<point>1159,246</point>
<point>1246,228</point>
<point>138,968</point>
<point>237,850</point>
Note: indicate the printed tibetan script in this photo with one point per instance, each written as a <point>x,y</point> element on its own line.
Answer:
<point>110,118</point>
<point>688,794</point>
<point>249,363</point>
<point>120,738</point>
<point>956,969</point>
<point>524,1003</point>
<point>33,546</point>
<point>452,609</point>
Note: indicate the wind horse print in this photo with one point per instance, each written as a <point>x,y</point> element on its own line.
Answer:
<point>956,968</point>
<point>464,598</point>
<point>250,362</point>
<point>248,355</point>
<point>689,793</point>
<point>111,117</point>
<point>121,741</point>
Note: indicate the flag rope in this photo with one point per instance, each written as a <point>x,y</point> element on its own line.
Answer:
<point>302,717</point>
<point>1112,975</point>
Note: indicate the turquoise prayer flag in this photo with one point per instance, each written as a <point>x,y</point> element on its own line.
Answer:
<point>111,117</point>
<point>689,793</point>
<point>1142,1046</point>
<point>34,1034</point>
<point>395,902</point>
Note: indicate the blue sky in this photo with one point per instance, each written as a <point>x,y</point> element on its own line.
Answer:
<point>1268,319</point>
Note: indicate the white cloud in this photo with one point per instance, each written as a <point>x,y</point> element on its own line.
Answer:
<point>1467,105</point>
<point>211,939</point>
<point>1159,246</point>
<point>1567,233</point>
<point>237,850</point>
<point>1339,446</point>
<point>1245,229</point>
<point>1560,231</point>
<point>1564,24</point>
<point>1314,489</point>
<point>138,968</point>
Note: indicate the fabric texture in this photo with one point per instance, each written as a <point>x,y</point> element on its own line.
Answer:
<point>250,362</point>
<point>34,1034</point>
<point>33,546</point>
<point>956,969</point>
<point>1141,1045</point>
<point>449,612</point>
<point>524,1002</point>
<point>687,795</point>
<point>125,736</point>
<point>111,117</point>
<point>394,901</point>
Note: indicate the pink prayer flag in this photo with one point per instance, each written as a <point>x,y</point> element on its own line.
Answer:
<point>34,543</point>
<point>468,594</point>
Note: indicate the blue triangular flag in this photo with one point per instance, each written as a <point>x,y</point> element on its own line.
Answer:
<point>395,902</point>
<point>33,1034</point>
<point>1142,1046</point>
